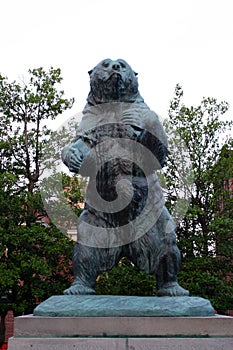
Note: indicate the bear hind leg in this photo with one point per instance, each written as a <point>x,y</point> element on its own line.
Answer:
<point>166,275</point>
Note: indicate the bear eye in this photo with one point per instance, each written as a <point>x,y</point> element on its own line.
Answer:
<point>122,65</point>
<point>105,64</point>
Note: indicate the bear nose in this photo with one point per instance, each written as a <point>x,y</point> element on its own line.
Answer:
<point>116,66</point>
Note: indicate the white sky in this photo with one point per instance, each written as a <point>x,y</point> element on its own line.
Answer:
<point>167,42</point>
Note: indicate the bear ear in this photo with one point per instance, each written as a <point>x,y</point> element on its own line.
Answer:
<point>90,71</point>
<point>135,74</point>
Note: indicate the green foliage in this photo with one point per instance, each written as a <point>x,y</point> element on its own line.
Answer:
<point>24,109</point>
<point>196,146</point>
<point>125,279</point>
<point>200,148</point>
<point>63,198</point>
<point>35,258</point>
<point>209,278</point>
<point>35,263</point>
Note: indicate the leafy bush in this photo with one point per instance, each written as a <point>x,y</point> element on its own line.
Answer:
<point>126,279</point>
<point>207,278</point>
<point>37,265</point>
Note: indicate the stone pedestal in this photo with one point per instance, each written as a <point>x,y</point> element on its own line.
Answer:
<point>119,332</point>
<point>122,333</point>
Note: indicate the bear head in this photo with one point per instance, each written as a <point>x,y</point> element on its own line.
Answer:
<point>113,81</point>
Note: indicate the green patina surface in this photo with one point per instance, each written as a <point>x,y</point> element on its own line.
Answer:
<point>118,306</point>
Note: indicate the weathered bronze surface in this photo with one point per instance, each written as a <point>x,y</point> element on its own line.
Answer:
<point>121,306</point>
<point>120,144</point>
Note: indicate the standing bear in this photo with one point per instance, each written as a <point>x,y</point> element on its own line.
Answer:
<point>120,144</point>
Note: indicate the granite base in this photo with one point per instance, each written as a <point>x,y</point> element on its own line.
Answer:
<point>122,333</point>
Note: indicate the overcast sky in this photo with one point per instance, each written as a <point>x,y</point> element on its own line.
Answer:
<point>167,42</point>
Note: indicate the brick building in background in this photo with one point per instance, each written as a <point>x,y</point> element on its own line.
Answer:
<point>7,329</point>
<point>9,325</point>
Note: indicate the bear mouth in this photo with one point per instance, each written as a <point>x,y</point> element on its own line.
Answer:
<point>115,76</point>
<point>114,86</point>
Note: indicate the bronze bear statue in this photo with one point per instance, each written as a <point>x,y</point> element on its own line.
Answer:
<point>120,143</point>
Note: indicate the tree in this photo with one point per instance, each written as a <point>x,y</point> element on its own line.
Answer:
<point>35,257</point>
<point>195,175</point>
<point>222,224</point>
<point>200,130</point>
<point>24,110</point>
